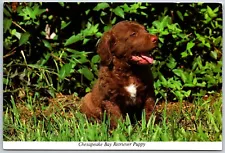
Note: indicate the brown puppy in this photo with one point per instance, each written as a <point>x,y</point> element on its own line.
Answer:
<point>125,82</point>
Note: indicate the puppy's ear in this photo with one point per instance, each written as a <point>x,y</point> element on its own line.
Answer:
<point>104,48</point>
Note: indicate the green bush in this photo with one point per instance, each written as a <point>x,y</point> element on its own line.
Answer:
<point>51,47</point>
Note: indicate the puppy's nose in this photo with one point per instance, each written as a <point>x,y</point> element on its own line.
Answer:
<point>154,39</point>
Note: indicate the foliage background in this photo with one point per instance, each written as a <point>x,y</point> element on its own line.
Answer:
<point>51,47</point>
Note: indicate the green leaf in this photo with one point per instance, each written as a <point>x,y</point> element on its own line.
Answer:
<point>145,14</point>
<point>190,45</point>
<point>65,70</point>
<point>114,20</point>
<point>161,40</point>
<point>216,10</point>
<point>64,24</point>
<point>187,93</point>
<point>95,59</point>
<point>101,6</point>
<point>87,11</point>
<point>85,40</point>
<point>181,35</point>
<point>190,77</point>
<point>47,44</point>
<point>189,85</point>
<point>73,39</point>
<point>179,95</point>
<point>213,54</point>
<point>87,89</point>
<point>162,78</point>
<point>171,63</point>
<point>184,54</point>
<point>195,64</point>
<point>203,84</point>
<point>153,31</point>
<point>15,33</point>
<point>199,62</point>
<point>143,7</point>
<point>207,44</point>
<point>184,77</point>
<point>156,23</point>
<point>195,81</point>
<point>165,21</point>
<point>62,4</point>
<point>30,12</point>
<point>45,59</point>
<point>178,72</point>
<point>82,59</point>
<point>210,12</point>
<point>208,19</point>
<point>218,40</point>
<point>126,8</point>
<point>7,24</point>
<point>180,15</point>
<point>87,73</point>
<point>50,17</point>
<point>5,81</point>
<point>24,38</point>
<point>6,12</point>
<point>107,27</point>
<point>181,74</point>
<point>90,30</point>
<point>164,32</point>
<point>119,12</point>
<point>37,11</point>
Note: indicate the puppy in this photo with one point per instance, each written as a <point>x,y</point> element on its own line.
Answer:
<point>125,81</point>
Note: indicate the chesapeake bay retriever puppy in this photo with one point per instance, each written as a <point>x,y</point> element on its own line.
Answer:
<point>125,81</point>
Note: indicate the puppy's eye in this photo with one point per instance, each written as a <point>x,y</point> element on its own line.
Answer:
<point>133,34</point>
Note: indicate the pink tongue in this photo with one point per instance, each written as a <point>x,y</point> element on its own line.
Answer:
<point>142,59</point>
<point>150,60</point>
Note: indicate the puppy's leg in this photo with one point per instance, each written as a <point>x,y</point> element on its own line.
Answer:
<point>89,109</point>
<point>114,113</point>
<point>149,107</point>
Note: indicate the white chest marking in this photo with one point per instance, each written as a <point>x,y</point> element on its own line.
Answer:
<point>132,90</point>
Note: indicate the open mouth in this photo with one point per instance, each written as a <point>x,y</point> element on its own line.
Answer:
<point>142,58</point>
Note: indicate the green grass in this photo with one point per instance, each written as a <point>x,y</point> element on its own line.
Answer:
<point>203,122</point>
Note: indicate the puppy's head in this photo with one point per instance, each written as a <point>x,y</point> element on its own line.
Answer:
<point>128,40</point>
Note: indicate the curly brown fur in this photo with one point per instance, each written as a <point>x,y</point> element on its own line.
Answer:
<point>125,82</point>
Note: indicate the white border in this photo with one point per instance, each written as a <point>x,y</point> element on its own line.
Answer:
<point>9,145</point>
<point>101,145</point>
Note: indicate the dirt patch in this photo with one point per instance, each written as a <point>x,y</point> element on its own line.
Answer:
<point>61,105</point>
